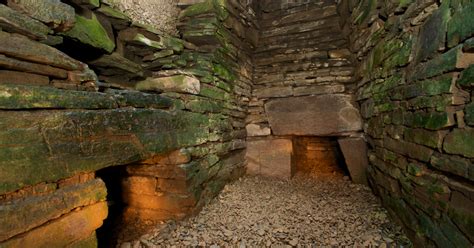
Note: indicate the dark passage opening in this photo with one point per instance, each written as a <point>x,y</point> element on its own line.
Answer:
<point>318,156</point>
<point>107,234</point>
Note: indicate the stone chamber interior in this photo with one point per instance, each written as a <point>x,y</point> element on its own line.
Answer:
<point>114,112</point>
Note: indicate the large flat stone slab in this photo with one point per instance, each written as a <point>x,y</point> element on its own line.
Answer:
<point>355,155</point>
<point>324,115</point>
<point>64,231</point>
<point>39,146</point>
<point>27,213</point>
<point>269,157</point>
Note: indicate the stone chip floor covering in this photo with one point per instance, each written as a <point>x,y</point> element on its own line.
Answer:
<point>302,212</point>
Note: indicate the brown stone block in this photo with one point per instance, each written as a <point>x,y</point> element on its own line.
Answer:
<point>16,22</point>
<point>355,155</point>
<point>139,185</point>
<point>173,158</point>
<point>17,77</point>
<point>24,214</point>
<point>19,65</point>
<point>132,214</point>
<point>21,47</point>
<point>157,170</point>
<point>62,232</point>
<point>269,157</point>
<point>322,115</point>
<point>172,186</point>
<point>175,203</point>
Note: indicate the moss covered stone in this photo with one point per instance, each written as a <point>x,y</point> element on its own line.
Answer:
<point>90,31</point>
<point>37,97</point>
<point>14,21</point>
<point>466,79</point>
<point>36,146</point>
<point>461,25</point>
<point>470,114</point>
<point>25,214</point>
<point>433,33</point>
<point>461,142</point>
<point>179,83</point>
<point>438,65</point>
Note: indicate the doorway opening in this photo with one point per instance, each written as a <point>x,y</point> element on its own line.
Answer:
<point>318,157</point>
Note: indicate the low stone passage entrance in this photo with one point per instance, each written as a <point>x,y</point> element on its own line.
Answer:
<point>258,212</point>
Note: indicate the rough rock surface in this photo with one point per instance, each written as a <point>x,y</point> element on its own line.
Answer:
<point>161,14</point>
<point>313,115</point>
<point>257,212</point>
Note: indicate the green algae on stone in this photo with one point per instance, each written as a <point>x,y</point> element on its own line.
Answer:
<point>461,142</point>
<point>461,25</point>
<point>197,9</point>
<point>115,60</point>
<point>91,32</point>
<point>466,79</point>
<point>54,13</point>
<point>37,97</point>
<point>111,12</point>
<point>424,137</point>
<point>36,146</point>
<point>456,165</point>
<point>178,83</point>
<point>204,106</point>
<point>364,10</point>
<point>432,120</point>
<point>141,100</point>
<point>470,114</point>
<point>433,33</point>
<point>21,214</point>
<point>17,22</point>
<point>438,65</point>
<point>165,42</point>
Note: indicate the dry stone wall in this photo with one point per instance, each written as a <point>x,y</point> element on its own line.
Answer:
<point>83,88</point>
<point>415,81</point>
<point>303,81</point>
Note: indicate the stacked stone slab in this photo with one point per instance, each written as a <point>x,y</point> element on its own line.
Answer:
<point>172,111</point>
<point>415,80</point>
<point>303,80</point>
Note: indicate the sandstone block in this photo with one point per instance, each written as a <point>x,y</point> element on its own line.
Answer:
<point>313,115</point>
<point>257,130</point>
<point>270,157</point>
<point>45,70</point>
<point>54,13</point>
<point>17,77</point>
<point>21,47</point>
<point>460,141</point>
<point>38,145</point>
<point>24,214</point>
<point>16,22</point>
<point>179,84</point>
<point>355,155</point>
<point>91,31</point>
<point>62,232</point>
<point>174,203</point>
<point>458,28</point>
<point>116,61</point>
<point>34,97</point>
<point>318,90</point>
<point>139,185</point>
<point>173,158</point>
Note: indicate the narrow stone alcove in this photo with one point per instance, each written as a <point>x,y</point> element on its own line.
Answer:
<point>318,157</point>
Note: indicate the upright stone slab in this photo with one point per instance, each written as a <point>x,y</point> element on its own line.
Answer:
<point>323,115</point>
<point>270,157</point>
<point>355,155</point>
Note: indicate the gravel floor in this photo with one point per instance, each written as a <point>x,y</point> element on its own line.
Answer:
<point>302,212</point>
